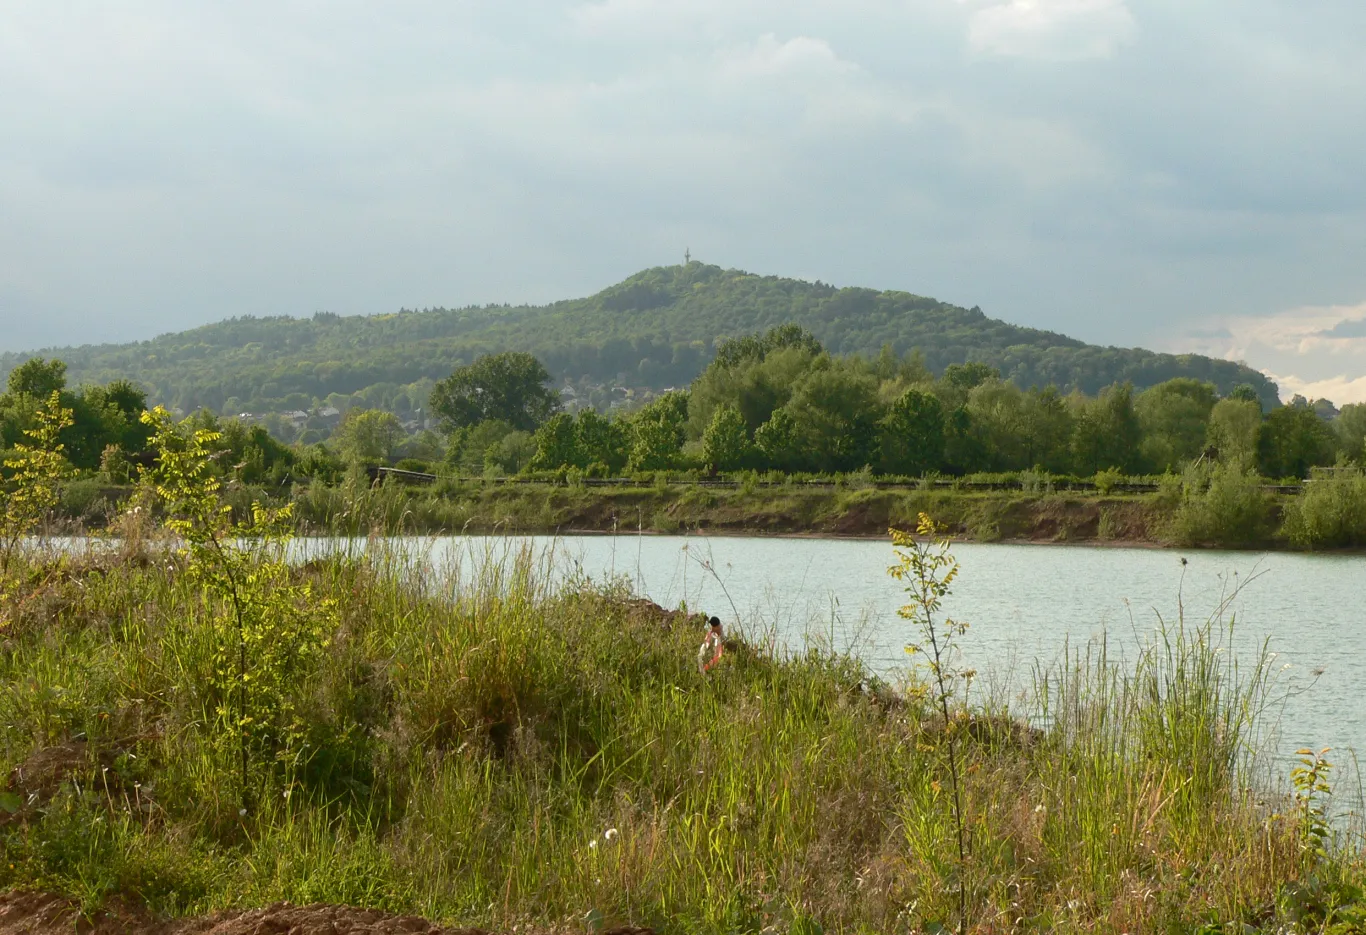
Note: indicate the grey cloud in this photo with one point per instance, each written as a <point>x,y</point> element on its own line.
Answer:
<point>167,164</point>
<point>1346,329</point>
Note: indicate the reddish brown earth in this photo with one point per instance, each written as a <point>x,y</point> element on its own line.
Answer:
<point>41,914</point>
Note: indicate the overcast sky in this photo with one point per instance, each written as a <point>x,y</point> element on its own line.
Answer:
<point>1159,172</point>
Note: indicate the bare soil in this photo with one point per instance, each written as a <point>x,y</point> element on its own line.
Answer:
<point>44,914</point>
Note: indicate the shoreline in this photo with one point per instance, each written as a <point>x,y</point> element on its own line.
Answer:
<point>1062,518</point>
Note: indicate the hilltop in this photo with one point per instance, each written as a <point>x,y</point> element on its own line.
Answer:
<point>657,328</point>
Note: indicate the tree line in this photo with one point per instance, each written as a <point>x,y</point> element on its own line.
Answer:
<point>777,401</point>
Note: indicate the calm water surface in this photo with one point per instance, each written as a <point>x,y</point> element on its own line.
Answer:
<point>1024,603</point>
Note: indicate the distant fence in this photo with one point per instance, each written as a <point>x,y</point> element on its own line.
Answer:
<point>378,474</point>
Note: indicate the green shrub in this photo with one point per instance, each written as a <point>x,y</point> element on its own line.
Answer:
<point>1230,509</point>
<point>1331,513</point>
<point>1107,479</point>
<point>80,497</point>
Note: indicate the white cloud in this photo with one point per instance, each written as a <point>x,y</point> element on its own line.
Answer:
<point>1340,389</point>
<point>768,57</point>
<point>1054,30</point>
<point>1332,330</point>
<point>1311,350</point>
<point>666,18</point>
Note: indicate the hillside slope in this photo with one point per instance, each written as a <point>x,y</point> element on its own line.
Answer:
<point>658,328</point>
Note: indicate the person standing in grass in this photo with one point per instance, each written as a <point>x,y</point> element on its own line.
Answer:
<point>713,646</point>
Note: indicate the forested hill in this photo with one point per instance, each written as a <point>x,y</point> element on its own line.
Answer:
<point>656,329</point>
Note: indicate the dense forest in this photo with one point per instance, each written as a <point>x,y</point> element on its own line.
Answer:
<point>656,330</point>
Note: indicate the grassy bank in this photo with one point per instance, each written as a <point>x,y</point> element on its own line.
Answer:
<point>496,754</point>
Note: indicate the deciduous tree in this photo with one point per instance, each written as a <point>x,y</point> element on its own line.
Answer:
<point>510,387</point>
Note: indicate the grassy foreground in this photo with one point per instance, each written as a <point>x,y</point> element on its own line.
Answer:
<point>493,753</point>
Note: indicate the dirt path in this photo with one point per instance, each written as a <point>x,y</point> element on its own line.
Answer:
<point>42,914</point>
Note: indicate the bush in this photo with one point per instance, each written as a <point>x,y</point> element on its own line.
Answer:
<point>1230,510</point>
<point>79,496</point>
<point>1331,513</point>
<point>1107,479</point>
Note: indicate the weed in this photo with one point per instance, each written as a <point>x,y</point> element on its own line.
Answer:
<point>1311,785</point>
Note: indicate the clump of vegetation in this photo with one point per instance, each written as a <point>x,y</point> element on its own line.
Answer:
<point>1223,506</point>
<point>1331,513</point>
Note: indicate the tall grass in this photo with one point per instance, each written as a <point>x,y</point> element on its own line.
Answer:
<point>483,748</point>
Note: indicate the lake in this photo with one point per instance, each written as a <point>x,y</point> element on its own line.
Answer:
<point>1023,603</point>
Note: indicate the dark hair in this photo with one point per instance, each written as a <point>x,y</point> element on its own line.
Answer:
<point>714,621</point>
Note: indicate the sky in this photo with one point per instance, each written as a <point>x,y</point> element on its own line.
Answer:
<point>1184,176</point>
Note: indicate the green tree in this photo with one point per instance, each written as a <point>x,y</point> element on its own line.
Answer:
<point>777,443</point>
<point>367,436</point>
<point>658,433</point>
<point>726,444</point>
<point>599,440</point>
<point>1291,440</point>
<point>963,453</point>
<point>755,385</point>
<point>1245,392</point>
<point>511,454</point>
<point>1233,425</point>
<point>912,441</point>
<point>1046,430</point>
<point>1106,432</point>
<point>998,421</point>
<point>557,444</point>
<point>1231,510</point>
<point>969,376</point>
<point>101,415</point>
<point>1330,513</point>
<point>469,448</point>
<point>836,412</point>
<point>1350,426</point>
<point>510,387</point>
<point>38,378</point>
<point>755,347</point>
<point>1174,417</point>
<point>927,570</point>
